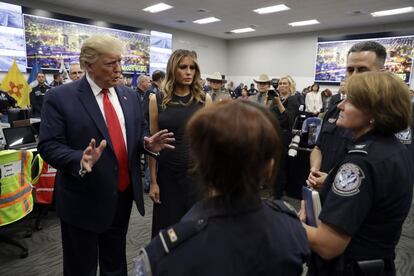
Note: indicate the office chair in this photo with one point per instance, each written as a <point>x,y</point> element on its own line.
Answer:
<point>14,114</point>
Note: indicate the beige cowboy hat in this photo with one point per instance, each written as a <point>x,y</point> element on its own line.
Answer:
<point>263,78</point>
<point>217,77</point>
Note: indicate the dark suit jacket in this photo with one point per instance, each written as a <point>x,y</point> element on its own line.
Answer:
<point>334,100</point>
<point>70,118</point>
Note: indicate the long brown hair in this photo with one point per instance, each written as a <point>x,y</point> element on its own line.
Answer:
<point>169,84</point>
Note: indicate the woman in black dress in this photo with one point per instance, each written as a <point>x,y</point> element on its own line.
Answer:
<point>173,188</point>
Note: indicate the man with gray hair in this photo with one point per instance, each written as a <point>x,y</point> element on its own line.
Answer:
<point>93,133</point>
<point>75,71</point>
<point>143,83</point>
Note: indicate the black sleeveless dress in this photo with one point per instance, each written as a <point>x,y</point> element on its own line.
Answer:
<point>178,186</point>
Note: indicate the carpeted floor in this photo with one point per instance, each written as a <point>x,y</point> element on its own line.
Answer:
<point>45,256</point>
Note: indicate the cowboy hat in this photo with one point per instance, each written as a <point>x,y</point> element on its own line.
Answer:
<point>216,76</point>
<point>263,78</point>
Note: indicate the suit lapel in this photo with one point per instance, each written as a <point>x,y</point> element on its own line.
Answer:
<point>127,108</point>
<point>88,100</point>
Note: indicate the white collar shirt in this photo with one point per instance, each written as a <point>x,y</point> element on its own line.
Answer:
<point>113,98</point>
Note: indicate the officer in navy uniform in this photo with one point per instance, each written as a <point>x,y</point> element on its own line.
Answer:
<point>332,141</point>
<point>37,94</point>
<point>232,231</point>
<point>367,196</point>
<point>6,102</point>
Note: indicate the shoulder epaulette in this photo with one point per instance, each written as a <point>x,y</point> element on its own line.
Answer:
<point>173,236</point>
<point>281,206</point>
<point>361,148</point>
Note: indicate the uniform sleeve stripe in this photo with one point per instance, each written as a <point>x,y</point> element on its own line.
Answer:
<point>164,244</point>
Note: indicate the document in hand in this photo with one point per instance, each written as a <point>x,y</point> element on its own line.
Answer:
<point>312,205</point>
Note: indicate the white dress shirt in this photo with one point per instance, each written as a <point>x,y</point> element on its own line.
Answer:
<point>113,98</point>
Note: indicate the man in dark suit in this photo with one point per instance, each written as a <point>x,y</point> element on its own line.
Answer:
<point>335,99</point>
<point>92,132</point>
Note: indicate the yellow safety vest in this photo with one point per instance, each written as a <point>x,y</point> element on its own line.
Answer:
<point>16,199</point>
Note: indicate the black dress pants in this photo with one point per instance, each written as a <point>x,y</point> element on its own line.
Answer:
<point>83,249</point>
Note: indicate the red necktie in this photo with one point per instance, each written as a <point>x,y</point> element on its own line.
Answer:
<point>117,139</point>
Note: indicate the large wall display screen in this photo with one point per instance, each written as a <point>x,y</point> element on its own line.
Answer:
<point>50,40</point>
<point>161,45</point>
<point>331,57</point>
<point>12,42</point>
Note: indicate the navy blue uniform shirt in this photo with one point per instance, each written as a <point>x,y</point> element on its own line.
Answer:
<point>218,238</point>
<point>36,98</point>
<point>368,196</point>
<point>332,140</point>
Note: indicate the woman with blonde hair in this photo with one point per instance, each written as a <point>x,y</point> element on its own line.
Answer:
<point>172,188</point>
<point>367,196</point>
<point>286,107</point>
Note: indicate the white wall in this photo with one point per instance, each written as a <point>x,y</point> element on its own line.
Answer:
<point>292,54</point>
<point>276,56</point>
<point>211,52</point>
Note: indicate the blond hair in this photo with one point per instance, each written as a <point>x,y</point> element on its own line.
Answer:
<point>292,84</point>
<point>98,45</point>
<point>384,96</point>
<point>169,83</point>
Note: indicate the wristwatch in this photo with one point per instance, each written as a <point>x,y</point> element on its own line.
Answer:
<point>154,155</point>
<point>82,171</point>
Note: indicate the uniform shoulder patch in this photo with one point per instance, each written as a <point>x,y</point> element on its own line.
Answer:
<point>348,179</point>
<point>405,136</point>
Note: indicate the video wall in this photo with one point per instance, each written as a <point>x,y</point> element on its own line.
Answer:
<point>160,49</point>
<point>331,57</point>
<point>48,41</point>
<point>12,42</point>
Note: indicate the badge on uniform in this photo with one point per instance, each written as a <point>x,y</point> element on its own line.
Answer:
<point>331,120</point>
<point>405,136</point>
<point>348,179</point>
<point>172,235</point>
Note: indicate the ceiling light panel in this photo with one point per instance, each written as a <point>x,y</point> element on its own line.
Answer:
<point>157,8</point>
<point>206,20</point>
<point>272,9</point>
<point>243,30</point>
<point>304,23</point>
<point>393,12</point>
